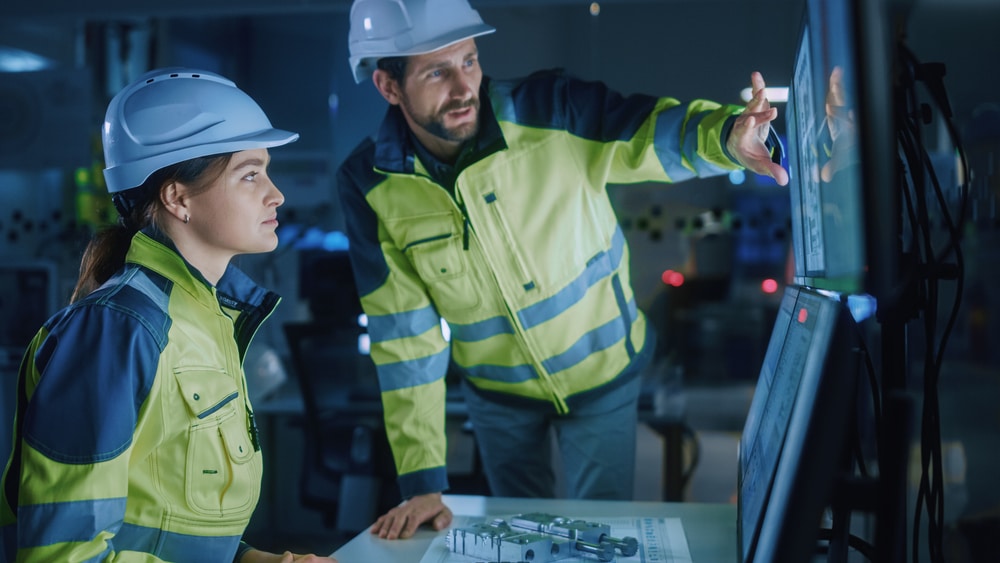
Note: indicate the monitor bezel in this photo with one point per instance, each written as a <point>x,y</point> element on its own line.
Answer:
<point>869,53</point>
<point>813,451</point>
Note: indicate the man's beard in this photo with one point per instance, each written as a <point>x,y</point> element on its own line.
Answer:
<point>434,124</point>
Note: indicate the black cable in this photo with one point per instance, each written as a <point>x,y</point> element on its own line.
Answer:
<point>930,460</point>
<point>905,139</point>
<point>909,139</point>
<point>875,394</point>
<point>931,269</point>
<point>935,354</point>
<point>928,491</point>
<point>858,544</point>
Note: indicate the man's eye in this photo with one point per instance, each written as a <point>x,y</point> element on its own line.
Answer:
<point>251,176</point>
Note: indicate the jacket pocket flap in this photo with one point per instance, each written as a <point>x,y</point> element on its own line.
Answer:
<point>206,392</point>
<point>237,442</point>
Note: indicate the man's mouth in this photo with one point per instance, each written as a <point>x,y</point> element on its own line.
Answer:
<point>460,110</point>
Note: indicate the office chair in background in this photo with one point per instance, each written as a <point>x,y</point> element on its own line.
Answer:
<point>347,472</point>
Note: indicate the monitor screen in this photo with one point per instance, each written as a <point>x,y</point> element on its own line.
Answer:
<point>840,150</point>
<point>805,389</point>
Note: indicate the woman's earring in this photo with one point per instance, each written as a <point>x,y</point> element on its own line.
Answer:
<point>186,218</point>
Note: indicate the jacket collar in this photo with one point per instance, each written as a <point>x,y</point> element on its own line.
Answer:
<point>151,248</point>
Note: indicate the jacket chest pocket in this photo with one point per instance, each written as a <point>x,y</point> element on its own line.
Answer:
<point>435,249</point>
<point>221,476</point>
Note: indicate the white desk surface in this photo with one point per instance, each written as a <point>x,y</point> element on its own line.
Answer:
<point>710,528</point>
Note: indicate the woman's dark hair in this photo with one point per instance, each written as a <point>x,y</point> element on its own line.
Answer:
<point>395,66</point>
<point>137,209</point>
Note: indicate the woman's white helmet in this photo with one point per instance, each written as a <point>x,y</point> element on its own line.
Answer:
<point>175,114</point>
<point>400,28</point>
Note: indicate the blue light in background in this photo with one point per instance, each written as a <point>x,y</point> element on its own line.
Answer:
<point>861,306</point>
<point>335,240</point>
<point>300,237</point>
<point>13,59</point>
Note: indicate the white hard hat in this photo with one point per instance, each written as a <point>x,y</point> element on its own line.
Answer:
<point>175,114</point>
<point>400,28</point>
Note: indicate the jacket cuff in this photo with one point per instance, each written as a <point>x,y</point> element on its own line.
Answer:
<point>775,146</point>
<point>433,480</point>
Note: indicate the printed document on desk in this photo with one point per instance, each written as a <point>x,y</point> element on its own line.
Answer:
<point>661,540</point>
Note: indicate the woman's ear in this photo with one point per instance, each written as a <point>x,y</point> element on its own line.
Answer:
<point>387,86</point>
<point>174,198</point>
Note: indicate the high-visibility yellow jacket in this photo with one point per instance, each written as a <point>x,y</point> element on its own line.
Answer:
<point>524,259</point>
<point>134,435</point>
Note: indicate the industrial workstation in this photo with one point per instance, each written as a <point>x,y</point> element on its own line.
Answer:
<point>527,280</point>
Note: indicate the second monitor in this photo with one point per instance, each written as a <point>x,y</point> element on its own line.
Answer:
<point>793,447</point>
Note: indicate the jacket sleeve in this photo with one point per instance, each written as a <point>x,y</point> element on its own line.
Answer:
<point>81,388</point>
<point>634,138</point>
<point>407,344</point>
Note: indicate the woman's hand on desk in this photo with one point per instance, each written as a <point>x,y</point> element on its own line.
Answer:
<point>402,521</point>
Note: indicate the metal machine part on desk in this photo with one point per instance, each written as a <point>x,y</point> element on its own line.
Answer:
<point>539,538</point>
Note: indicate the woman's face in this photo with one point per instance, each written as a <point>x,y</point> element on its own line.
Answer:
<point>237,213</point>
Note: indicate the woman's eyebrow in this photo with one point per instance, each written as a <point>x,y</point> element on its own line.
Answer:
<point>250,162</point>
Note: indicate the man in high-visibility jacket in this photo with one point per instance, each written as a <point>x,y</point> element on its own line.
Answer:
<point>483,202</point>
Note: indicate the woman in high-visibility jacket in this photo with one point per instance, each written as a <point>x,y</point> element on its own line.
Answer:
<point>135,439</point>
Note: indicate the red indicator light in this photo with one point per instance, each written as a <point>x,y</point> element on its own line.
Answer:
<point>769,286</point>
<point>803,315</point>
<point>672,278</point>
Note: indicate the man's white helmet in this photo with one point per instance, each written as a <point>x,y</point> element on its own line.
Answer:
<point>400,28</point>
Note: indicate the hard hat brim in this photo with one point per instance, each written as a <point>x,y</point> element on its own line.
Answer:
<point>365,66</point>
<point>134,174</point>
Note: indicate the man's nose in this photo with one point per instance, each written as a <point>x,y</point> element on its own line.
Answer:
<point>461,87</point>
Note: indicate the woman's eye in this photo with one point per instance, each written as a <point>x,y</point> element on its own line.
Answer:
<point>251,176</point>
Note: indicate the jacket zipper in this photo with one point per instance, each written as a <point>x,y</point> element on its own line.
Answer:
<point>466,224</point>
<point>526,282</point>
<point>456,197</point>
<point>557,399</point>
<point>252,428</point>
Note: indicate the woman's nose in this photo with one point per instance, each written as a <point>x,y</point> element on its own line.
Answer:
<point>275,197</point>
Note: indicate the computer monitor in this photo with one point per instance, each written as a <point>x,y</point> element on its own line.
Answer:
<point>792,449</point>
<point>841,150</point>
